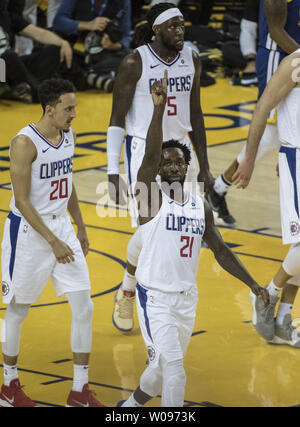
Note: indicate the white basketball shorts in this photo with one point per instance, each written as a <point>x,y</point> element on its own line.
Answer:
<point>289,184</point>
<point>28,261</point>
<point>134,154</point>
<point>166,322</point>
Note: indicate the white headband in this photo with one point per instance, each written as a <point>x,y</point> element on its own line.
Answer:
<point>166,15</point>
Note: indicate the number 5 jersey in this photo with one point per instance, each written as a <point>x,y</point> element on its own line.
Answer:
<point>181,70</point>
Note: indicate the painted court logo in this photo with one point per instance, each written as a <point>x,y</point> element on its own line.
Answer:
<point>294,228</point>
<point>5,289</point>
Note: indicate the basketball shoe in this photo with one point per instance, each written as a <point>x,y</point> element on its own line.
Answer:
<point>83,399</point>
<point>263,317</point>
<point>219,206</point>
<point>14,396</point>
<point>286,333</point>
<point>123,310</point>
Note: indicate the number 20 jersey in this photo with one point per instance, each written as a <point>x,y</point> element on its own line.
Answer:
<point>176,121</point>
<point>51,173</point>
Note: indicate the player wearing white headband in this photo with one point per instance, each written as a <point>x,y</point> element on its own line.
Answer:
<point>161,47</point>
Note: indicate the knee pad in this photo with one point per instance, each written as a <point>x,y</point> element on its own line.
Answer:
<point>16,312</point>
<point>291,263</point>
<point>81,305</point>
<point>174,380</point>
<point>10,337</point>
<point>151,381</point>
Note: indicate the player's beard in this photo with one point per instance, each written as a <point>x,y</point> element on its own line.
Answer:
<point>169,46</point>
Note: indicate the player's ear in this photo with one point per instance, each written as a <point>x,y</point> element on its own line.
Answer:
<point>49,110</point>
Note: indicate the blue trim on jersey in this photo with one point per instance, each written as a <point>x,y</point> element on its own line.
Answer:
<point>180,204</point>
<point>160,59</point>
<point>290,153</point>
<point>45,140</point>
<point>128,153</point>
<point>13,230</point>
<point>142,294</point>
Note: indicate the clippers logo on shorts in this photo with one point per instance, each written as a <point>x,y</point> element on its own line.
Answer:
<point>5,289</point>
<point>151,353</point>
<point>294,228</point>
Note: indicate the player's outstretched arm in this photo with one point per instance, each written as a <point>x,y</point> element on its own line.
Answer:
<point>227,259</point>
<point>281,83</point>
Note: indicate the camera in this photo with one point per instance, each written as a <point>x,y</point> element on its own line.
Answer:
<point>92,41</point>
<point>113,28</point>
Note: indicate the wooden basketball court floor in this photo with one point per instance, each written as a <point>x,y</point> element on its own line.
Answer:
<point>227,363</point>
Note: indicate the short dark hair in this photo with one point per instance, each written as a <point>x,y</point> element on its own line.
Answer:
<point>144,33</point>
<point>49,91</point>
<point>172,143</point>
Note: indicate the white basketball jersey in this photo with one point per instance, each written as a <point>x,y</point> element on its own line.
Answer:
<point>288,117</point>
<point>171,244</point>
<point>176,121</point>
<point>51,173</point>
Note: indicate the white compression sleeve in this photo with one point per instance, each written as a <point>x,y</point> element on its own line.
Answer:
<point>115,137</point>
<point>15,314</point>
<point>81,329</point>
<point>248,37</point>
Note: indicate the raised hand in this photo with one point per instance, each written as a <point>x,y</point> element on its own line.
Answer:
<point>159,91</point>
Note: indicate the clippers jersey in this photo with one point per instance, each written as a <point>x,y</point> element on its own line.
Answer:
<point>51,173</point>
<point>288,117</point>
<point>176,121</point>
<point>171,244</point>
<point>291,26</point>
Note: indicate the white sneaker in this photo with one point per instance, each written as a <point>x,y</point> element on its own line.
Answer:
<point>123,310</point>
<point>286,333</point>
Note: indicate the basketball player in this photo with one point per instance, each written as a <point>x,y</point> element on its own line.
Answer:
<point>173,224</point>
<point>132,100</point>
<point>279,35</point>
<point>39,242</point>
<point>282,90</point>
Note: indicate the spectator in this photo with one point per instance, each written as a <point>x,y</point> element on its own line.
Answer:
<point>105,29</point>
<point>25,73</point>
<point>32,9</point>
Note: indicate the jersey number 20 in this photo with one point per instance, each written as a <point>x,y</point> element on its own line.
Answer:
<point>60,190</point>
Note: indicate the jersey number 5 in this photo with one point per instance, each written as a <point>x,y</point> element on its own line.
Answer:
<point>172,111</point>
<point>186,250</point>
<point>60,189</point>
